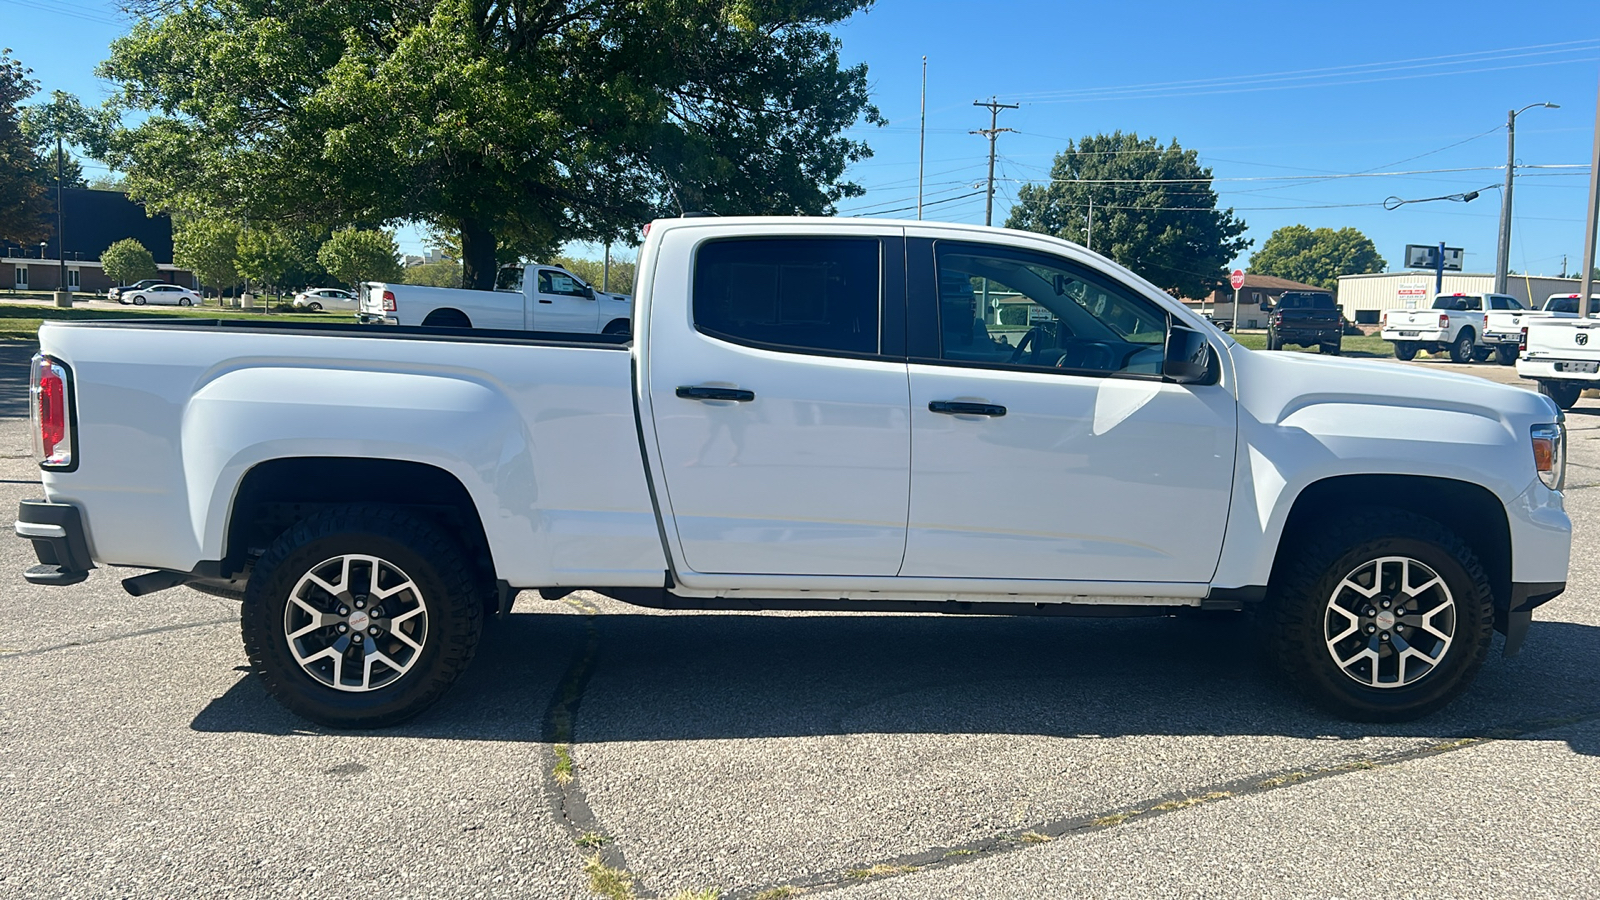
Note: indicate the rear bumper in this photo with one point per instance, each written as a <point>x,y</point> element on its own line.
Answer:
<point>1499,338</point>
<point>1419,336</point>
<point>1547,369</point>
<point>367,318</point>
<point>56,530</point>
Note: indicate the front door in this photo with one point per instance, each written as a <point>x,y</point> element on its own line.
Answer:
<point>1045,443</point>
<point>780,417</point>
<point>562,304</point>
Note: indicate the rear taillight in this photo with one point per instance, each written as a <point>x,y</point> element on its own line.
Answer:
<point>1522,343</point>
<point>388,301</point>
<point>52,422</point>
<point>1444,321</point>
<point>1485,321</point>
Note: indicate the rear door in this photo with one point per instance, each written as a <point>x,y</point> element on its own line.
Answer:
<point>779,399</point>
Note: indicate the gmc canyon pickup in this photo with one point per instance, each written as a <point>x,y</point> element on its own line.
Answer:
<point>810,414</point>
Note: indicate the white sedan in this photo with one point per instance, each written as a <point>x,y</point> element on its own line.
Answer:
<point>324,298</point>
<point>166,294</point>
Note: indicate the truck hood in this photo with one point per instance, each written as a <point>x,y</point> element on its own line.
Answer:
<point>1273,386</point>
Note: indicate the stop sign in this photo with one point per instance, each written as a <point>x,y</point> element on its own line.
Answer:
<point>1237,279</point>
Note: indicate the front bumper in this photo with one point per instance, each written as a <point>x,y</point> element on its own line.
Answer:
<point>56,530</point>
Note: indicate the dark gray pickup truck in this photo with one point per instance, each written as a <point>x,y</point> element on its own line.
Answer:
<point>1306,318</point>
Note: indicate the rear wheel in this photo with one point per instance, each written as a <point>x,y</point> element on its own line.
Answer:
<point>314,307</point>
<point>447,318</point>
<point>361,616</point>
<point>1461,351</point>
<point>1273,343</point>
<point>1330,349</point>
<point>185,301</point>
<point>1505,356</point>
<point>1405,351</point>
<point>1384,617</point>
<point>1481,354</point>
<point>1564,393</point>
<point>618,326</point>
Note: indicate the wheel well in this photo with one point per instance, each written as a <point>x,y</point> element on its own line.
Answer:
<point>626,325</point>
<point>277,493</point>
<point>447,317</point>
<point>1469,510</point>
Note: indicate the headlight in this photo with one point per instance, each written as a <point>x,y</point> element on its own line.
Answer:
<point>1550,454</point>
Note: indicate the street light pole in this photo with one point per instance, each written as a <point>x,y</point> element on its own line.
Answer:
<point>1503,250</point>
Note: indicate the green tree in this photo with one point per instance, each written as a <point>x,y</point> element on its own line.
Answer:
<point>210,249</point>
<point>271,255</point>
<point>1316,256</point>
<point>127,261</point>
<point>354,256</point>
<point>512,124</point>
<point>444,273</point>
<point>64,123</point>
<point>593,271</point>
<point>24,204</point>
<point>1154,210</point>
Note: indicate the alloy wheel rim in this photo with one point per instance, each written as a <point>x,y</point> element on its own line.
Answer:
<point>356,623</point>
<point>1390,622</point>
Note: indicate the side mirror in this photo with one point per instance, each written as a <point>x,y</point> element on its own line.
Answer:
<point>1188,358</point>
<point>588,292</point>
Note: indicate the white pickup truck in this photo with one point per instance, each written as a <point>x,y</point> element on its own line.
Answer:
<point>1455,323</point>
<point>526,298</point>
<point>1562,351</point>
<point>813,414</point>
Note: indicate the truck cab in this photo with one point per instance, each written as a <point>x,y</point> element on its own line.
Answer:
<point>558,300</point>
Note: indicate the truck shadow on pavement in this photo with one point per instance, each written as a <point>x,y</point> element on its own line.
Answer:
<point>700,677</point>
<point>16,363</point>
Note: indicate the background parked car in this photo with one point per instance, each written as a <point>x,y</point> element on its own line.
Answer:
<point>325,298</point>
<point>117,292</point>
<point>160,294</point>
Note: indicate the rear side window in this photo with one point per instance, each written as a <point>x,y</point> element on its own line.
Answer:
<point>818,295</point>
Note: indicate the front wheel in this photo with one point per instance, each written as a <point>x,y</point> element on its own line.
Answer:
<point>1405,351</point>
<point>138,300</point>
<point>1564,393</point>
<point>1385,617</point>
<point>1506,356</point>
<point>1461,350</point>
<point>361,616</point>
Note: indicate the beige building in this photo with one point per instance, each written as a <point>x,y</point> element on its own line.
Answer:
<point>1364,297</point>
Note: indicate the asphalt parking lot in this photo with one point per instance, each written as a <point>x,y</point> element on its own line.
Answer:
<point>853,755</point>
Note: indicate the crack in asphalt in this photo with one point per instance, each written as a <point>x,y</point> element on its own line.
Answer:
<point>562,785</point>
<point>1073,826</point>
<point>159,629</point>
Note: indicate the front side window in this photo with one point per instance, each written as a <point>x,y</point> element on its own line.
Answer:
<point>559,283</point>
<point>808,294</point>
<point>1002,307</point>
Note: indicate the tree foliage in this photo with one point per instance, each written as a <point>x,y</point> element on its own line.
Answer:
<point>354,256</point>
<point>24,204</point>
<point>1316,256</point>
<point>515,124</point>
<point>127,261</point>
<point>593,272</point>
<point>1154,210</point>
<point>210,249</point>
<point>278,256</point>
<point>64,119</point>
<point>444,273</point>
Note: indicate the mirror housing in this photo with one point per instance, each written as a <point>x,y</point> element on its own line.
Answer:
<point>1189,358</point>
<point>588,292</point>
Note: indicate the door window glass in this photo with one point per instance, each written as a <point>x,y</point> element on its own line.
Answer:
<point>1001,307</point>
<point>817,295</point>
<point>509,279</point>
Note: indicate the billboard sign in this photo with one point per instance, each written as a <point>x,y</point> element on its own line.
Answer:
<point>1426,256</point>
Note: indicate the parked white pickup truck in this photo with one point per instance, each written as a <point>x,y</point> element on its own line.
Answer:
<point>525,298</point>
<point>1562,351</point>
<point>813,414</point>
<point>1455,323</point>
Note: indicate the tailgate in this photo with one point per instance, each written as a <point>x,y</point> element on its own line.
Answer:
<point>371,297</point>
<point>1564,338</point>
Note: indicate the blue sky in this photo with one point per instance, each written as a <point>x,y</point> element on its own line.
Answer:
<point>1261,90</point>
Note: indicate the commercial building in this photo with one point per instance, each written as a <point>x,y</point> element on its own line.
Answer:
<point>94,221</point>
<point>1364,297</point>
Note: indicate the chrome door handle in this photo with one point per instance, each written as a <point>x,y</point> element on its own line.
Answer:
<point>698,392</point>
<point>957,408</point>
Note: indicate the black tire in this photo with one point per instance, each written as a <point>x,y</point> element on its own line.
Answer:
<point>618,326</point>
<point>447,318</point>
<point>1405,351</point>
<point>1273,343</point>
<point>314,307</point>
<point>138,300</point>
<point>442,584</point>
<point>1506,356</point>
<point>1299,615</point>
<point>184,301</point>
<point>1461,350</point>
<point>1330,349</point>
<point>1564,393</point>
<point>1482,354</point>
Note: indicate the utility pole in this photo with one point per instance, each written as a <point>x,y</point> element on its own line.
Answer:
<point>605,274</point>
<point>991,133</point>
<point>1586,286</point>
<point>63,296</point>
<point>1089,241</point>
<point>1503,248</point>
<point>922,137</point>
